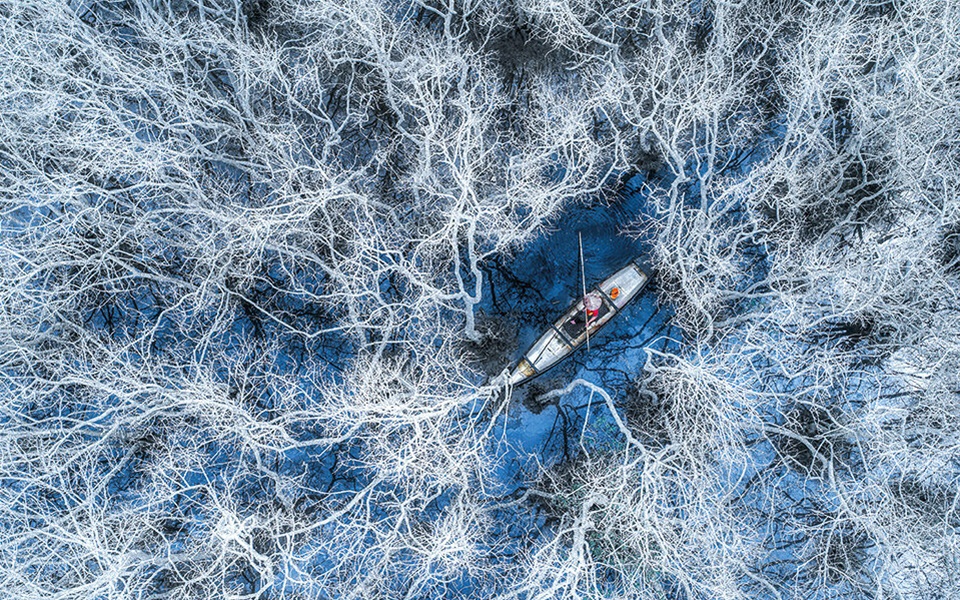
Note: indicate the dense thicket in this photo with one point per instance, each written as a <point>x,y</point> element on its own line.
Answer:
<point>243,246</point>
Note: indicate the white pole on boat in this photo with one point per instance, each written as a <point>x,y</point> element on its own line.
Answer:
<point>583,285</point>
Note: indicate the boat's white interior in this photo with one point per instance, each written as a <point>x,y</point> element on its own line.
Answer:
<point>547,350</point>
<point>629,280</point>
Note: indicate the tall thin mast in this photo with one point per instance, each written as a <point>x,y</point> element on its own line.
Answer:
<point>583,285</point>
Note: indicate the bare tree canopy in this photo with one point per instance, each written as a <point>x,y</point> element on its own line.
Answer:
<point>263,262</point>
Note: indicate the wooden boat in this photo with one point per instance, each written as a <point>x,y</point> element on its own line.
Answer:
<point>570,331</point>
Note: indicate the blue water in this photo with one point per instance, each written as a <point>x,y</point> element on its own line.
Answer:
<point>533,288</point>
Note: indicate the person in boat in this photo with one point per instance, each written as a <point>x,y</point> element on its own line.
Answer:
<point>591,305</point>
<point>591,308</point>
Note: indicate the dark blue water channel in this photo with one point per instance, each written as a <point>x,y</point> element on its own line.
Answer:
<point>526,292</point>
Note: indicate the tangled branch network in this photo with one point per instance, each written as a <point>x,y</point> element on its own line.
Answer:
<point>251,251</point>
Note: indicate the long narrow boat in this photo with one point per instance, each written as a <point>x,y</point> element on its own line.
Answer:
<point>571,330</point>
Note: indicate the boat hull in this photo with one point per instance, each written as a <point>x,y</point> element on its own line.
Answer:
<point>571,331</point>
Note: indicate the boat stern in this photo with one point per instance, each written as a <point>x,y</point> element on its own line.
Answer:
<point>522,372</point>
